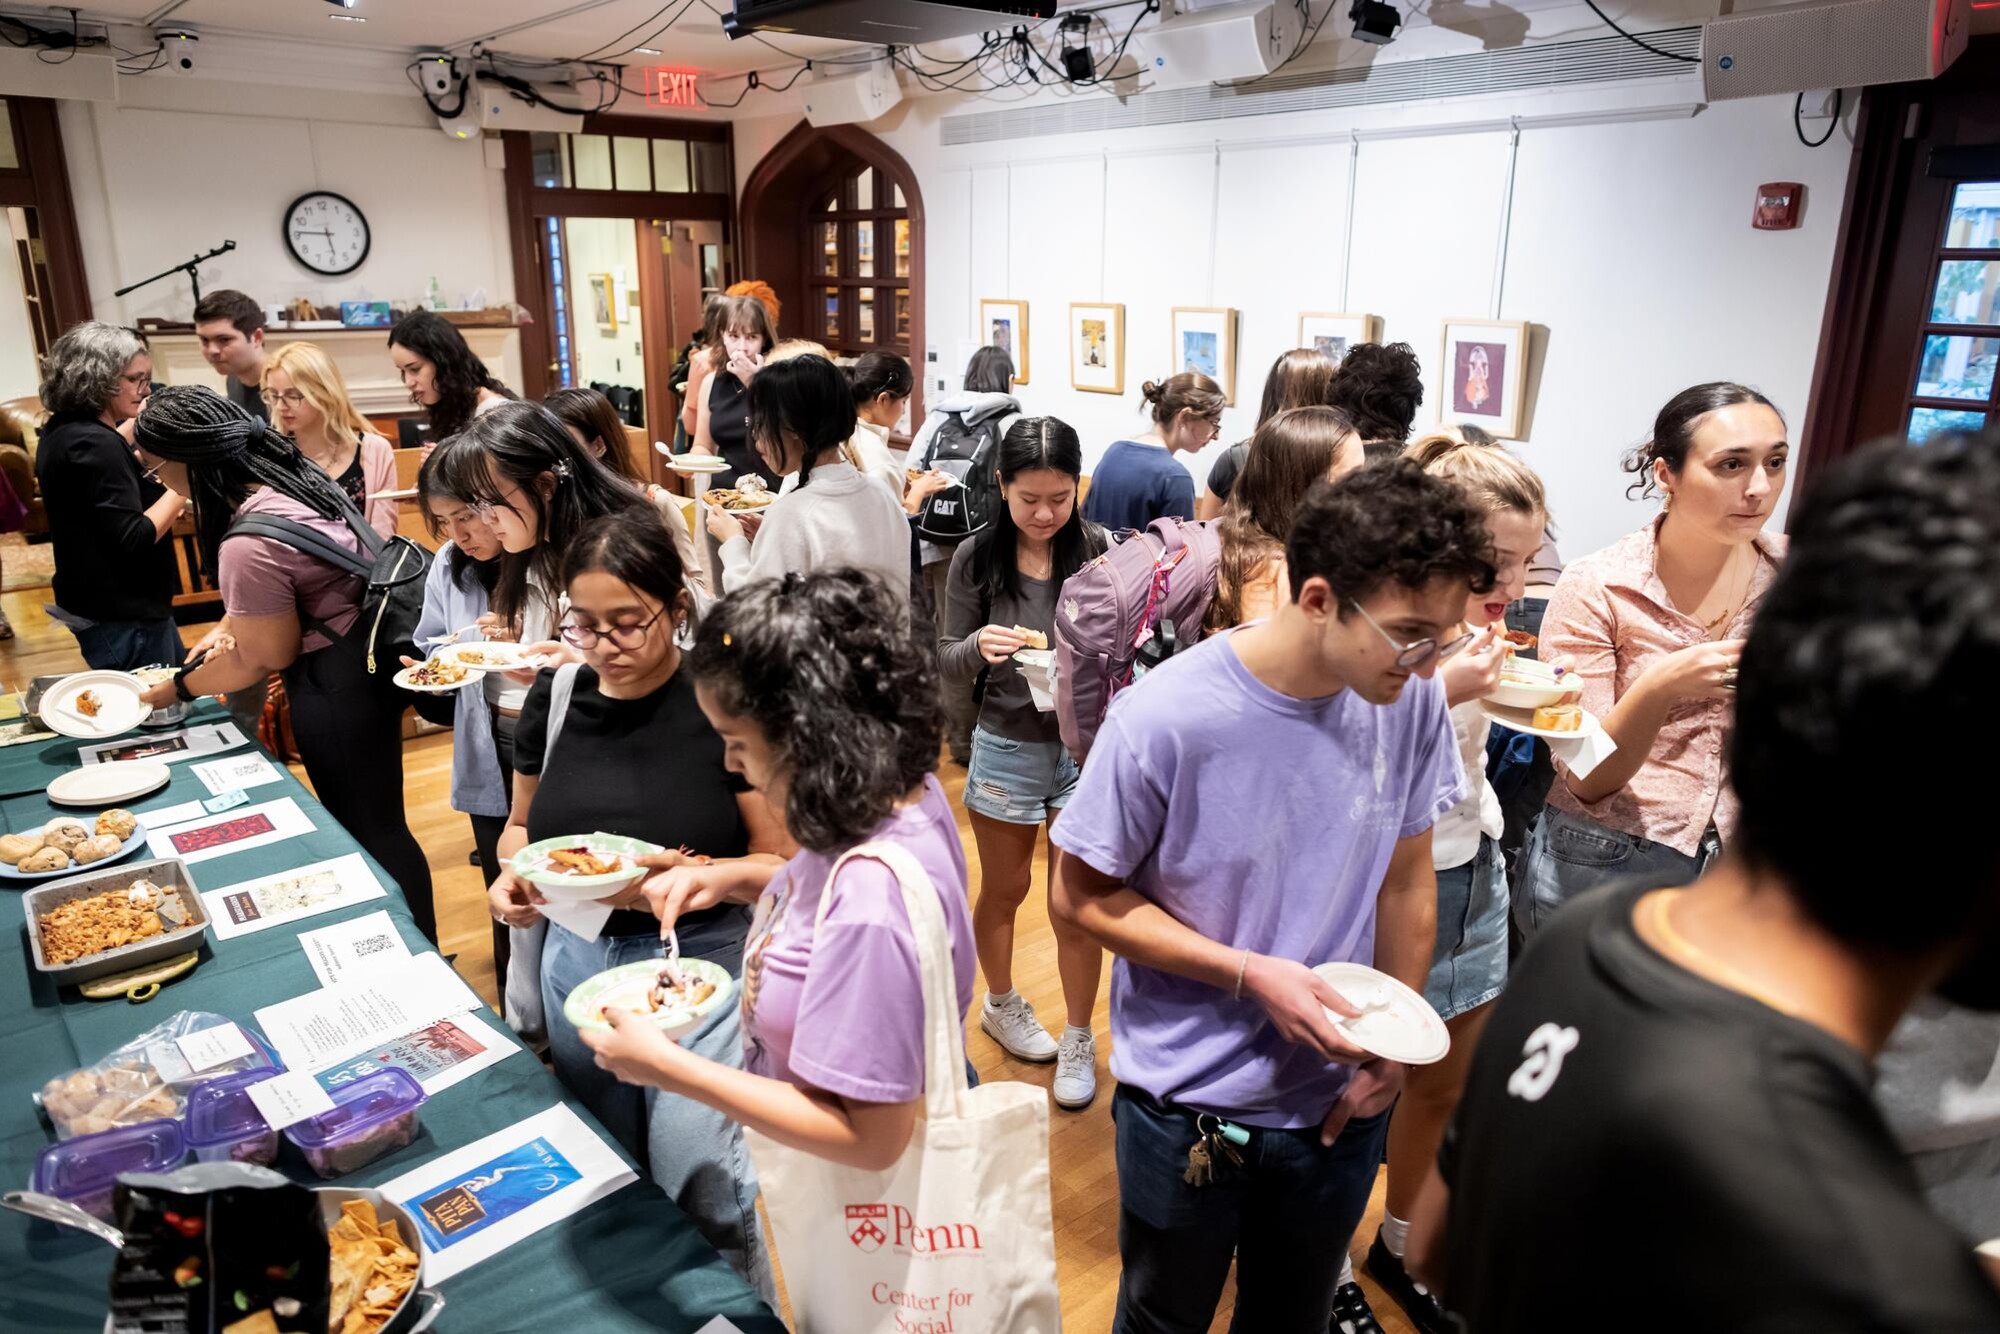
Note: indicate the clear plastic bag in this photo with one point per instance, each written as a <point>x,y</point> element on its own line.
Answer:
<point>147,1078</point>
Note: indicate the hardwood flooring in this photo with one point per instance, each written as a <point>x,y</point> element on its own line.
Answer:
<point>1085,1183</point>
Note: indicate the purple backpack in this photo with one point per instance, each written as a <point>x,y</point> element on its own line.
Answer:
<point>1113,605</point>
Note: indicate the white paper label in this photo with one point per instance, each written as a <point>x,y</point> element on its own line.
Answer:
<point>289,1098</point>
<point>214,1046</point>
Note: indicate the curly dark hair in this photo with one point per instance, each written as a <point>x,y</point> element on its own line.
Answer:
<point>827,665</point>
<point>1674,428</point>
<point>460,372</point>
<point>1380,389</point>
<point>1875,652</point>
<point>1387,523</point>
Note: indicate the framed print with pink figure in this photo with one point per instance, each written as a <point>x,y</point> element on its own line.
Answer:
<point>1485,367</point>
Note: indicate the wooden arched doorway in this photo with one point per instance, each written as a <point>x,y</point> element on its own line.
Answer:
<point>833,220</point>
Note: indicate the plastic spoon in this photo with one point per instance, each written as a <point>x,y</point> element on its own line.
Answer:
<point>61,1212</point>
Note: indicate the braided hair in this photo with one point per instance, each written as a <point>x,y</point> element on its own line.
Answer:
<point>827,666</point>
<point>229,454</point>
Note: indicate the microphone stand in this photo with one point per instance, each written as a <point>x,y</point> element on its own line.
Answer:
<point>192,269</point>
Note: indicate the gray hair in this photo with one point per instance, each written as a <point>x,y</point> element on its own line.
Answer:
<point>81,371</point>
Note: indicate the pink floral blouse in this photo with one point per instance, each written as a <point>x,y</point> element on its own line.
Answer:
<point>1609,620</point>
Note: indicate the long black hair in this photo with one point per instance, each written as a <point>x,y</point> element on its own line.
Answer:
<point>460,374</point>
<point>229,454</point>
<point>466,569</point>
<point>877,373</point>
<point>632,545</point>
<point>525,444</point>
<point>1035,444</point>
<point>990,371</point>
<point>808,396</point>
<point>827,665</point>
<point>589,412</point>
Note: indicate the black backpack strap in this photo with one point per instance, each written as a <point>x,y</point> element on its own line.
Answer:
<point>313,543</point>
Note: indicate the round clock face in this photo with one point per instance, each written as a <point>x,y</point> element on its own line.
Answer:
<point>326,232</point>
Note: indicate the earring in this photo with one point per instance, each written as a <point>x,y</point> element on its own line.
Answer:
<point>1668,503</point>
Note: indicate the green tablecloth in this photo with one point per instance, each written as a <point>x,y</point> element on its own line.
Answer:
<point>631,1261</point>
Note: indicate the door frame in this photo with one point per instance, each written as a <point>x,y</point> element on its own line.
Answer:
<point>42,183</point>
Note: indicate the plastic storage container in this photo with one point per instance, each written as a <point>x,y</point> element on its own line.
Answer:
<point>224,1126</point>
<point>85,1169</point>
<point>370,1117</point>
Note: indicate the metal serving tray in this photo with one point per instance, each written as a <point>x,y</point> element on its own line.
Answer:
<point>167,872</point>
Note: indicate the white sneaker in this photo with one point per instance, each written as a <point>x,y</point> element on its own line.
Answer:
<point>1011,1022</point>
<point>1076,1070</point>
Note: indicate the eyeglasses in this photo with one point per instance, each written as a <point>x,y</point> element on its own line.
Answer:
<point>291,398</point>
<point>623,636</point>
<point>1412,656</point>
<point>144,378</point>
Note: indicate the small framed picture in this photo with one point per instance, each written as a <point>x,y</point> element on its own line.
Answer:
<point>1205,342</point>
<point>604,302</point>
<point>1485,365</point>
<point>1333,332</point>
<point>1097,347</point>
<point>1004,324</point>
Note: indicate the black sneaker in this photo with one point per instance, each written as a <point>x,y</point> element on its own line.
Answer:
<point>1351,1312</point>
<point>1387,1270</point>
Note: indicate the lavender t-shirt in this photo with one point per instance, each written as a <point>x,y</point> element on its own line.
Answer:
<point>843,1010</point>
<point>1263,822</point>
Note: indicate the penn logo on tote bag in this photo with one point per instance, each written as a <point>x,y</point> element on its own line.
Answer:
<point>864,1229</point>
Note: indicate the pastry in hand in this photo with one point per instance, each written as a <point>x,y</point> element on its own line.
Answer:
<point>1031,638</point>
<point>1559,718</point>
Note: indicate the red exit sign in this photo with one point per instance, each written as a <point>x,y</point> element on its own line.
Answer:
<point>671,87</point>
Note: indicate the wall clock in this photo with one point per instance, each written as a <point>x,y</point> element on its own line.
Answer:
<point>326,232</point>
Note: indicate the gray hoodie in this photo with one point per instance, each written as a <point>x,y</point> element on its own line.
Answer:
<point>974,409</point>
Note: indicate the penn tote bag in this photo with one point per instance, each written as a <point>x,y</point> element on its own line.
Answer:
<point>958,1235</point>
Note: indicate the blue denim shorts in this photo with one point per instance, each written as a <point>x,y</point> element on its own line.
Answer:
<point>1019,782</point>
<point>1469,963</point>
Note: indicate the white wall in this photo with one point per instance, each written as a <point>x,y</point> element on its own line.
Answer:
<point>604,245</point>
<point>1630,249</point>
<point>177,167</point>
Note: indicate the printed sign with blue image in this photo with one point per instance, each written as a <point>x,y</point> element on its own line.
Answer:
<point>493,1191</point>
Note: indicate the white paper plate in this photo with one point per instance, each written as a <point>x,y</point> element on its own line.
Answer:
<point>502,655</point>
<point>125,849</point>
<point>690,464</point>
<point>1408,1030</point>
<point>109,784</point>
<point>753,509</point>
<point>1531,695</point>
<point>119,707</point>
<point>402,679</point>
<point>1522,720</point>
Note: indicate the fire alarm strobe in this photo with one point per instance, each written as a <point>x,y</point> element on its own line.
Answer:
<point>1777,206</point>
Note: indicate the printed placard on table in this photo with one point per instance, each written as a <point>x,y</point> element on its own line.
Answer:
<point>313,1031</point>
<point>167,747</point>
<point>238,830</point>
<point>338,882</point>
<point>474,1203</point>
<point>289,1098</point>
<point>358,945</point>
<point>234,773</point>
<point>437,1055</point>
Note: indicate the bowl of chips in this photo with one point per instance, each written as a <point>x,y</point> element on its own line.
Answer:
<point>376,1283</point>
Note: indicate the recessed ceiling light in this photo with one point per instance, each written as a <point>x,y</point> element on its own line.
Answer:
<point>647,50</point>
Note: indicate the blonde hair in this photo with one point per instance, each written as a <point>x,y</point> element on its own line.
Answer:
<point>1490,476</point>
<point>313,374</point>
<point>788,348</point>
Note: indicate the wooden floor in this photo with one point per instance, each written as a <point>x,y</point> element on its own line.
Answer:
<point>1080,1143</point>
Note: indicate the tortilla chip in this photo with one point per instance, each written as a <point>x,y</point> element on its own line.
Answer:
<point>363,1214</point>
<point>389,1229</point>
<point>263,1322</point>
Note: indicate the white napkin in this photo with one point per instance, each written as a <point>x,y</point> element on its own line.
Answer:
<point>1590,747</point>
<point>586,919</point>
<point>1041,683</point>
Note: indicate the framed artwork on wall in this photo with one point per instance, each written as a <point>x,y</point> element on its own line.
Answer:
<point>1205,342</point>
<point>1004,324</point>
<point>604,302</point>
<point>1333,332</point>
<point>1485,365</point>
<point>1097,347</point>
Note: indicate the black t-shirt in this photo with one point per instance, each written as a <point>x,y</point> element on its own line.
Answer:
<point>111,564</point>
<point>646,768</point>
<point>1639,1149</point>
<point>1222,477</point>
<point>729,428</point>
<point>249,397</point>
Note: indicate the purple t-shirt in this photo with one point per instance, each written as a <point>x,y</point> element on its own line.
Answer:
<point>1263,822</point>
<point>843,1011</point>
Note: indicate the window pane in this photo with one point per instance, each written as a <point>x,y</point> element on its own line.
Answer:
<point>711,268</point>
<point>833,201</point>
<point>550,163</point>
<point>902,247</point>
<point>830,313</point>
<point>670,166</point>
<point>10,160</point>
<point>1966,292</point>
<point>711,167</point>
<point>899,196</point>
<point>829,247</point>
<point>1975,217</point>
<point>634,159</point>
<point>592,156</point>
<point>873,194</point>
<point>1927,422</point>
<point>1957,367</point>
<point>864,250</point>
<point>864,302</point>
<point>903,314</point>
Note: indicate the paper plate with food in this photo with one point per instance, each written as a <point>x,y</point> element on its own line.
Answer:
<point>69,844</point>
<point>93,705</point>
<point>581,868</point>
<point>676,995</point>
<point>1395,1023</point>
<point>488,655</point>
<point>436,675</point>
<point>1561,721</point>
<point>750,495</point>
<point>1527,684</point>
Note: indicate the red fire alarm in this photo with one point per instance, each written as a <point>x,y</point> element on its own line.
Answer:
<point>1777,206</point>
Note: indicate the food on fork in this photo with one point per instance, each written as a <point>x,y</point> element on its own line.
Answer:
<point>1519,641</point>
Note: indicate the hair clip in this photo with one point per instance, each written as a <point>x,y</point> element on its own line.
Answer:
<point>562,468</point>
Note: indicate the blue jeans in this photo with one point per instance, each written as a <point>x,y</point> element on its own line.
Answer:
<point>1568,855</point>
<point>120,646</point>
<point>1285,1216</point>
<point>692,1152</point>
